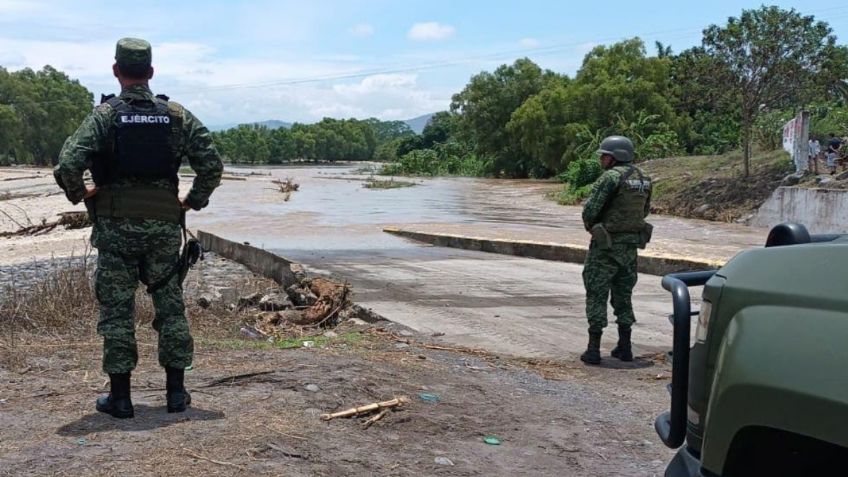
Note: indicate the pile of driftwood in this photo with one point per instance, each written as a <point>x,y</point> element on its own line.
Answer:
<point>286,186</point>
<point>69,220</point>
<point>316,302</point>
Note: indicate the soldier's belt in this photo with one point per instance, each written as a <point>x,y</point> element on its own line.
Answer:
<point>138,203</point>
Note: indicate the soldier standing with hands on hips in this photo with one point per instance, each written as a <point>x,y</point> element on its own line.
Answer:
<point>615,215</point>
<point>134,144</point>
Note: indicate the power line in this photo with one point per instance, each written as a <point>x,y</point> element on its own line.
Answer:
<point>678,33</point>
<point>541,51</point>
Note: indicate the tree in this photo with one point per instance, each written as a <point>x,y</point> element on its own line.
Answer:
<point>38,111</point>
<point>439,129</point>
<point>485,106</point>
<point>769,58</point>
<point>663,51</point>
<point>704,122</point>
<point>281,145</point>
<point>386,131</point>
<point>618,90</point>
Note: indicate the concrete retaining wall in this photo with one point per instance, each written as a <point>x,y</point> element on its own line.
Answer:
<point>648,263</point>
<point>261,262</point>
<point>820,210</point>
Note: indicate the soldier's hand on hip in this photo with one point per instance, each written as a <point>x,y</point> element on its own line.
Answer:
<point>90,192</point>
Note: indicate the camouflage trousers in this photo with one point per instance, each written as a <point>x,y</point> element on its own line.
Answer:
<point>129,251</point>
<point>609,275</point>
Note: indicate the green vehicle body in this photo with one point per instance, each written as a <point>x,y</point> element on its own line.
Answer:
<point>766,382</point>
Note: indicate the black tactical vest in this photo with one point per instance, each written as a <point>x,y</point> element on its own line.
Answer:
<point>140,143</point>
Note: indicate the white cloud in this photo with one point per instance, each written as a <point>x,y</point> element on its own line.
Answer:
<point>429,31</point>
<point>386,96</point>
<point>362,30</point>
<point>529,43</point>
<point>15,6</point>
<point>249,70</point>
<point>377,83</point>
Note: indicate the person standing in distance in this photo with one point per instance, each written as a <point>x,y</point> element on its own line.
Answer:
<point>133,144</point>
<point>813,151</point>
<point>834,144</point>
<point>615,215</point>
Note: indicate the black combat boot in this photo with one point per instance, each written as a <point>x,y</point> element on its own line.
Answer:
<point>592,355</point>
<point>176,395</point>
<point>623,350</point>
<point>117,403</point>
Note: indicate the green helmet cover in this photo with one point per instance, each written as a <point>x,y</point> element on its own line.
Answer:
<point>619,147</point>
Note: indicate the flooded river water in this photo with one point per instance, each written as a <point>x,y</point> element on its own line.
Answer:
<point>333,211</point>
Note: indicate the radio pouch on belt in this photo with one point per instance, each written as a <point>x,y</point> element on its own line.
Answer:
<point>189,255</point>
<point>645,235</point>
<point>601,237</point>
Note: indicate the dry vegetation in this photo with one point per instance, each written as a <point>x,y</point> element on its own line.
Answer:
<point>712,187</point>
<point>61,309</point>
<point>258,403</point>
<point>374,183</point>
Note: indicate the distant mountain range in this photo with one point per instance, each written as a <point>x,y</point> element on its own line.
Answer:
<point>416,124</point>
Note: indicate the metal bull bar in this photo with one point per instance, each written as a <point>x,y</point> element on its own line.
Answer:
<point>671,426</point>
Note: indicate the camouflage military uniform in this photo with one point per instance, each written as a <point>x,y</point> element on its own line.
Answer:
<point>139,249</point>
<point>610,271</point>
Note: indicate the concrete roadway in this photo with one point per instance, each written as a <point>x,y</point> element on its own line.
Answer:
<point>505,304</point>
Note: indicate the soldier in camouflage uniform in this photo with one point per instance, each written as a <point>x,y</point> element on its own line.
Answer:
<point>133,144</point>
<point>615,215</point>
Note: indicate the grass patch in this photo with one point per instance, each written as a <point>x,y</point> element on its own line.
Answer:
<point>373,183</point>
<point>233,344</point>
<point>319,341</point>
<point>684,185</point>
<point>369,169</point>
<point>570,195</point>
<point>441,162</point>
<point>703,187</point>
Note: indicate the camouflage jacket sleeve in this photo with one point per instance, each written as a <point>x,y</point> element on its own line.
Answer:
<point>602,191</point>
<point>648,202</point>
<point>79,150</point>
<point>204,160</point>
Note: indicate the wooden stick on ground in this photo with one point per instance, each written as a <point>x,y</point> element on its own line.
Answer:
<point>207,459</point>
<point>355,411</point>
<point>375,418</point>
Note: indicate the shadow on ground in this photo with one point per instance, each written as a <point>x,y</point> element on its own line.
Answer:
<point>146,418</point>
<point>637,363</point>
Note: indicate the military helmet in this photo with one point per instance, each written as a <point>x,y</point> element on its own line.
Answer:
<point>618,147</point>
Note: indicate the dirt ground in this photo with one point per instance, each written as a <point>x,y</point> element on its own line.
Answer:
<point>257,405</point>
<point>253,414</point>
<point>712,187</point>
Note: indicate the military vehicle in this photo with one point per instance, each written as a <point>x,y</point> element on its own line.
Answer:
<point>764,388</point>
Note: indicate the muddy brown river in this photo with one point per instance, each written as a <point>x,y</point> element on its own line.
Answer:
<point>333,211</point>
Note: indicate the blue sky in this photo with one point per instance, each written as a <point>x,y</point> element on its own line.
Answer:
<point>300,61</point>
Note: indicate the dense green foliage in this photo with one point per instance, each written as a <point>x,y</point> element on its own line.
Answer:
<point>740,86</point>
<point>38,111</point>
<point>737,88</point>
<point>328,140</point>
<point>770,59</point>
